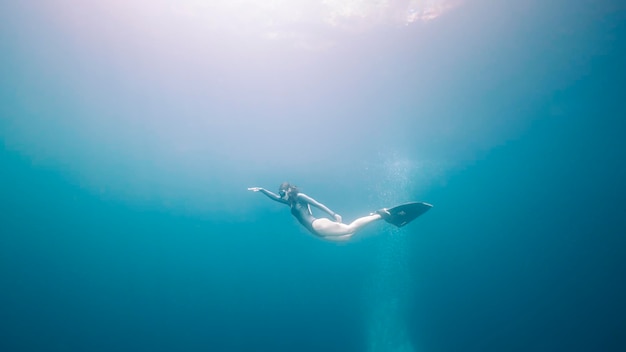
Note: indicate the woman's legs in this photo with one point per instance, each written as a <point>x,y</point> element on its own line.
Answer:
<point>338,231</point>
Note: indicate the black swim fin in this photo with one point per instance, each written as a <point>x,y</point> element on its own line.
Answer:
<point>405,213</point>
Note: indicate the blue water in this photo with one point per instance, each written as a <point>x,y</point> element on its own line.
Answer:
<point>126,152</point>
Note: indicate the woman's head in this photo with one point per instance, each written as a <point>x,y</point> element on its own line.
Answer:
<point>286,190</point>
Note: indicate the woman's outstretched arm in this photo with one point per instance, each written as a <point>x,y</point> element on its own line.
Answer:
<point>269,194</point>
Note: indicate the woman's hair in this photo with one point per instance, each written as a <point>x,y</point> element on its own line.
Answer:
<point>287,187</point>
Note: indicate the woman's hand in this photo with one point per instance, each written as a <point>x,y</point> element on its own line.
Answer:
<point>255,189</point>
<point>338,218</point>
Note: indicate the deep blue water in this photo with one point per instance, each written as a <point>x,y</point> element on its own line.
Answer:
<point>112,239</point>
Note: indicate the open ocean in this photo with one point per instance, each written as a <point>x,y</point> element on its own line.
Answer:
<point>130,131</point>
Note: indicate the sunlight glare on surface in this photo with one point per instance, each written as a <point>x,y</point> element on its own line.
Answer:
<point>280,19</point>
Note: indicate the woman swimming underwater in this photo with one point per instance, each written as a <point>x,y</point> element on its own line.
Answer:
<point>300,204</point>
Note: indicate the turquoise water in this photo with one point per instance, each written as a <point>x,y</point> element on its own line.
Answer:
<point>130,132</point>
